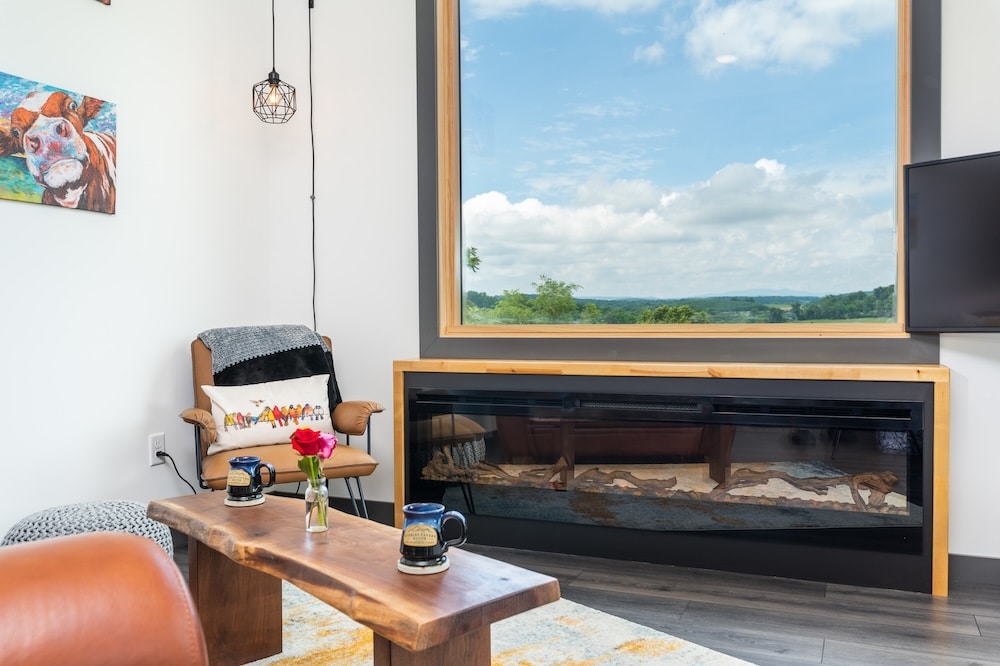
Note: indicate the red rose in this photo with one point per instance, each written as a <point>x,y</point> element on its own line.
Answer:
<point>307,441</point>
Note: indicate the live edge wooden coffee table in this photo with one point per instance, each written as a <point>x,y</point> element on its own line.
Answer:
<point>238,557</point>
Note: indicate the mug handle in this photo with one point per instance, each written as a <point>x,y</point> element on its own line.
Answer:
<point>270,479</point>
<point>456,516</point>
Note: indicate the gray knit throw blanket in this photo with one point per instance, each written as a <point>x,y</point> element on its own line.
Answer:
<point>236,344</point>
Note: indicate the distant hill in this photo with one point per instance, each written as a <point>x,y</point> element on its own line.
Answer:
<point>763,293</point>
<point>772,307</point>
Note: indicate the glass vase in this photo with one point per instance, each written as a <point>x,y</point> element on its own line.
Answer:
<point>317,506</point>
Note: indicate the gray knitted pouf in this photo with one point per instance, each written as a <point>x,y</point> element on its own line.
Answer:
<point>106,516</point>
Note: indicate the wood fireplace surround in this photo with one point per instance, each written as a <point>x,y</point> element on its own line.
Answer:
<point>525,448</point>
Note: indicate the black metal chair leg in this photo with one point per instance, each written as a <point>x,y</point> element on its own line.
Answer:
<point>361,496</point>
<point>467,494</point>
<point>350,491</point>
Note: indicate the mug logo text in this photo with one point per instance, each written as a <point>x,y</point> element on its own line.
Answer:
<point>238,478</point>
<point>420,536</point>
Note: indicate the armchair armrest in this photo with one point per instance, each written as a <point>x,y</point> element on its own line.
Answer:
<point>203,419</point>
<point>351,416</point>
<point>96,598</point>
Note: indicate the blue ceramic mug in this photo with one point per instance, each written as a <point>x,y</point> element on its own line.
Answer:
<point>244,485</point>
<point>423,543</point>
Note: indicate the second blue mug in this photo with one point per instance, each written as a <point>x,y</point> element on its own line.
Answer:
<point>422,543</point>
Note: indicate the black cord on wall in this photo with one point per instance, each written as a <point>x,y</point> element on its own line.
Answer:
<point>312,147</point>
<point>164,454</point>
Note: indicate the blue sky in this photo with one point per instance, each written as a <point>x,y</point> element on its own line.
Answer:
<point>665,148</point>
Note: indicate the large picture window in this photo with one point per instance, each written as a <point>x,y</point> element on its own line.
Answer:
<point>665,168</point>
<point>443,248</point>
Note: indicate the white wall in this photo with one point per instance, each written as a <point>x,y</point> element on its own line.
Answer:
<point>970,101</point>
<point>212,228</point>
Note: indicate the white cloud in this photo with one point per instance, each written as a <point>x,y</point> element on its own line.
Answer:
<point>616,108</point>
<point>490,9</point>
<point>650,54</point>
<point>791,34</point>
<point>772,168</point>
<point>637,196</point>
<point>750,226</point>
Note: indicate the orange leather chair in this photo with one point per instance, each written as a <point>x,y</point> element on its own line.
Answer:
<point>95,599</point>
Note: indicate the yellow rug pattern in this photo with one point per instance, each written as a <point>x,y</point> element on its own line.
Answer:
<point>562,633</point>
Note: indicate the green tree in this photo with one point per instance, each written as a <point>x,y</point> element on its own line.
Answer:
<point>554,299</point>
<point>480,299</point>
<point>473,315</point>
<point>885,301</point>
<point>472,259</point>
<point>591,314</point>
<point>618,316</point>
<point>513,308</point>
<point>673,314</point>
<point>879,303</point>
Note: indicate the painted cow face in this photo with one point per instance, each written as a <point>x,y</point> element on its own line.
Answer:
<point>49,127</point>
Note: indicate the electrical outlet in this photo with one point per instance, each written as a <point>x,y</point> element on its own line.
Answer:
<point>157,442</point>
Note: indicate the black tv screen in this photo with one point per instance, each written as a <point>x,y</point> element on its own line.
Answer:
<point>952,244</point>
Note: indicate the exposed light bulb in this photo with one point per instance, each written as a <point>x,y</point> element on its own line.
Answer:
<point>273,96</point>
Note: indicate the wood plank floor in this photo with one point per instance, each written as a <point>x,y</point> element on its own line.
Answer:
<point>767,620</point>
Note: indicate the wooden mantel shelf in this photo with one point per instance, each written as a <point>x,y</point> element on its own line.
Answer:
<point>938,375</point>
<point>834,371</point>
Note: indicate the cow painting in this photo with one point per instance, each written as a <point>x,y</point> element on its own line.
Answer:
<point>70,161</point>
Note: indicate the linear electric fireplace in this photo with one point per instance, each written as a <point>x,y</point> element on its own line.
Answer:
<point>787,472</point>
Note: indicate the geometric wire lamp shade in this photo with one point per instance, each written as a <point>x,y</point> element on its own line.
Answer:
<point>274,100</point>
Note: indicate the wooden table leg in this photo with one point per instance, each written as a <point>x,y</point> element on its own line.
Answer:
<point>471,649</point>
<point>240,608</point>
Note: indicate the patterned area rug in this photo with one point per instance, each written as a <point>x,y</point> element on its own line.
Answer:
<point>562,633</point>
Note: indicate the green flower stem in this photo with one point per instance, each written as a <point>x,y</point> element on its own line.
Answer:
<point>311,467</point>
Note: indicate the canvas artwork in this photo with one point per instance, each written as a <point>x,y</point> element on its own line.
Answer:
<point>56,147</point>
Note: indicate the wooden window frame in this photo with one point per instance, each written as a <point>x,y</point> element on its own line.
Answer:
<point>442,332</point>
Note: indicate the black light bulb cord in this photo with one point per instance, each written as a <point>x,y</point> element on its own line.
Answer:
<point>312,147</point>
<point>273,60</point>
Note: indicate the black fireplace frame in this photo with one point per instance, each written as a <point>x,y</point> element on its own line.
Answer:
<point>896,557</point>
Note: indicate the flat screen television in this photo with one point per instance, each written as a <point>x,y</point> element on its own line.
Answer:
<point>952,244</point>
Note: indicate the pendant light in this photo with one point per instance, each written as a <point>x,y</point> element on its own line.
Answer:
<point>273,99</point>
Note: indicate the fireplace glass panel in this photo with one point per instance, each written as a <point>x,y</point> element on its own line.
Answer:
<point>669,463</point>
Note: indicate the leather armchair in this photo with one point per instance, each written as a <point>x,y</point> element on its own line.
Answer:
<point>97,598</point>
<point>350,418</point>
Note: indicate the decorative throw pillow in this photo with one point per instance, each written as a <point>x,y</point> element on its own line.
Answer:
<point>257,414</point>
